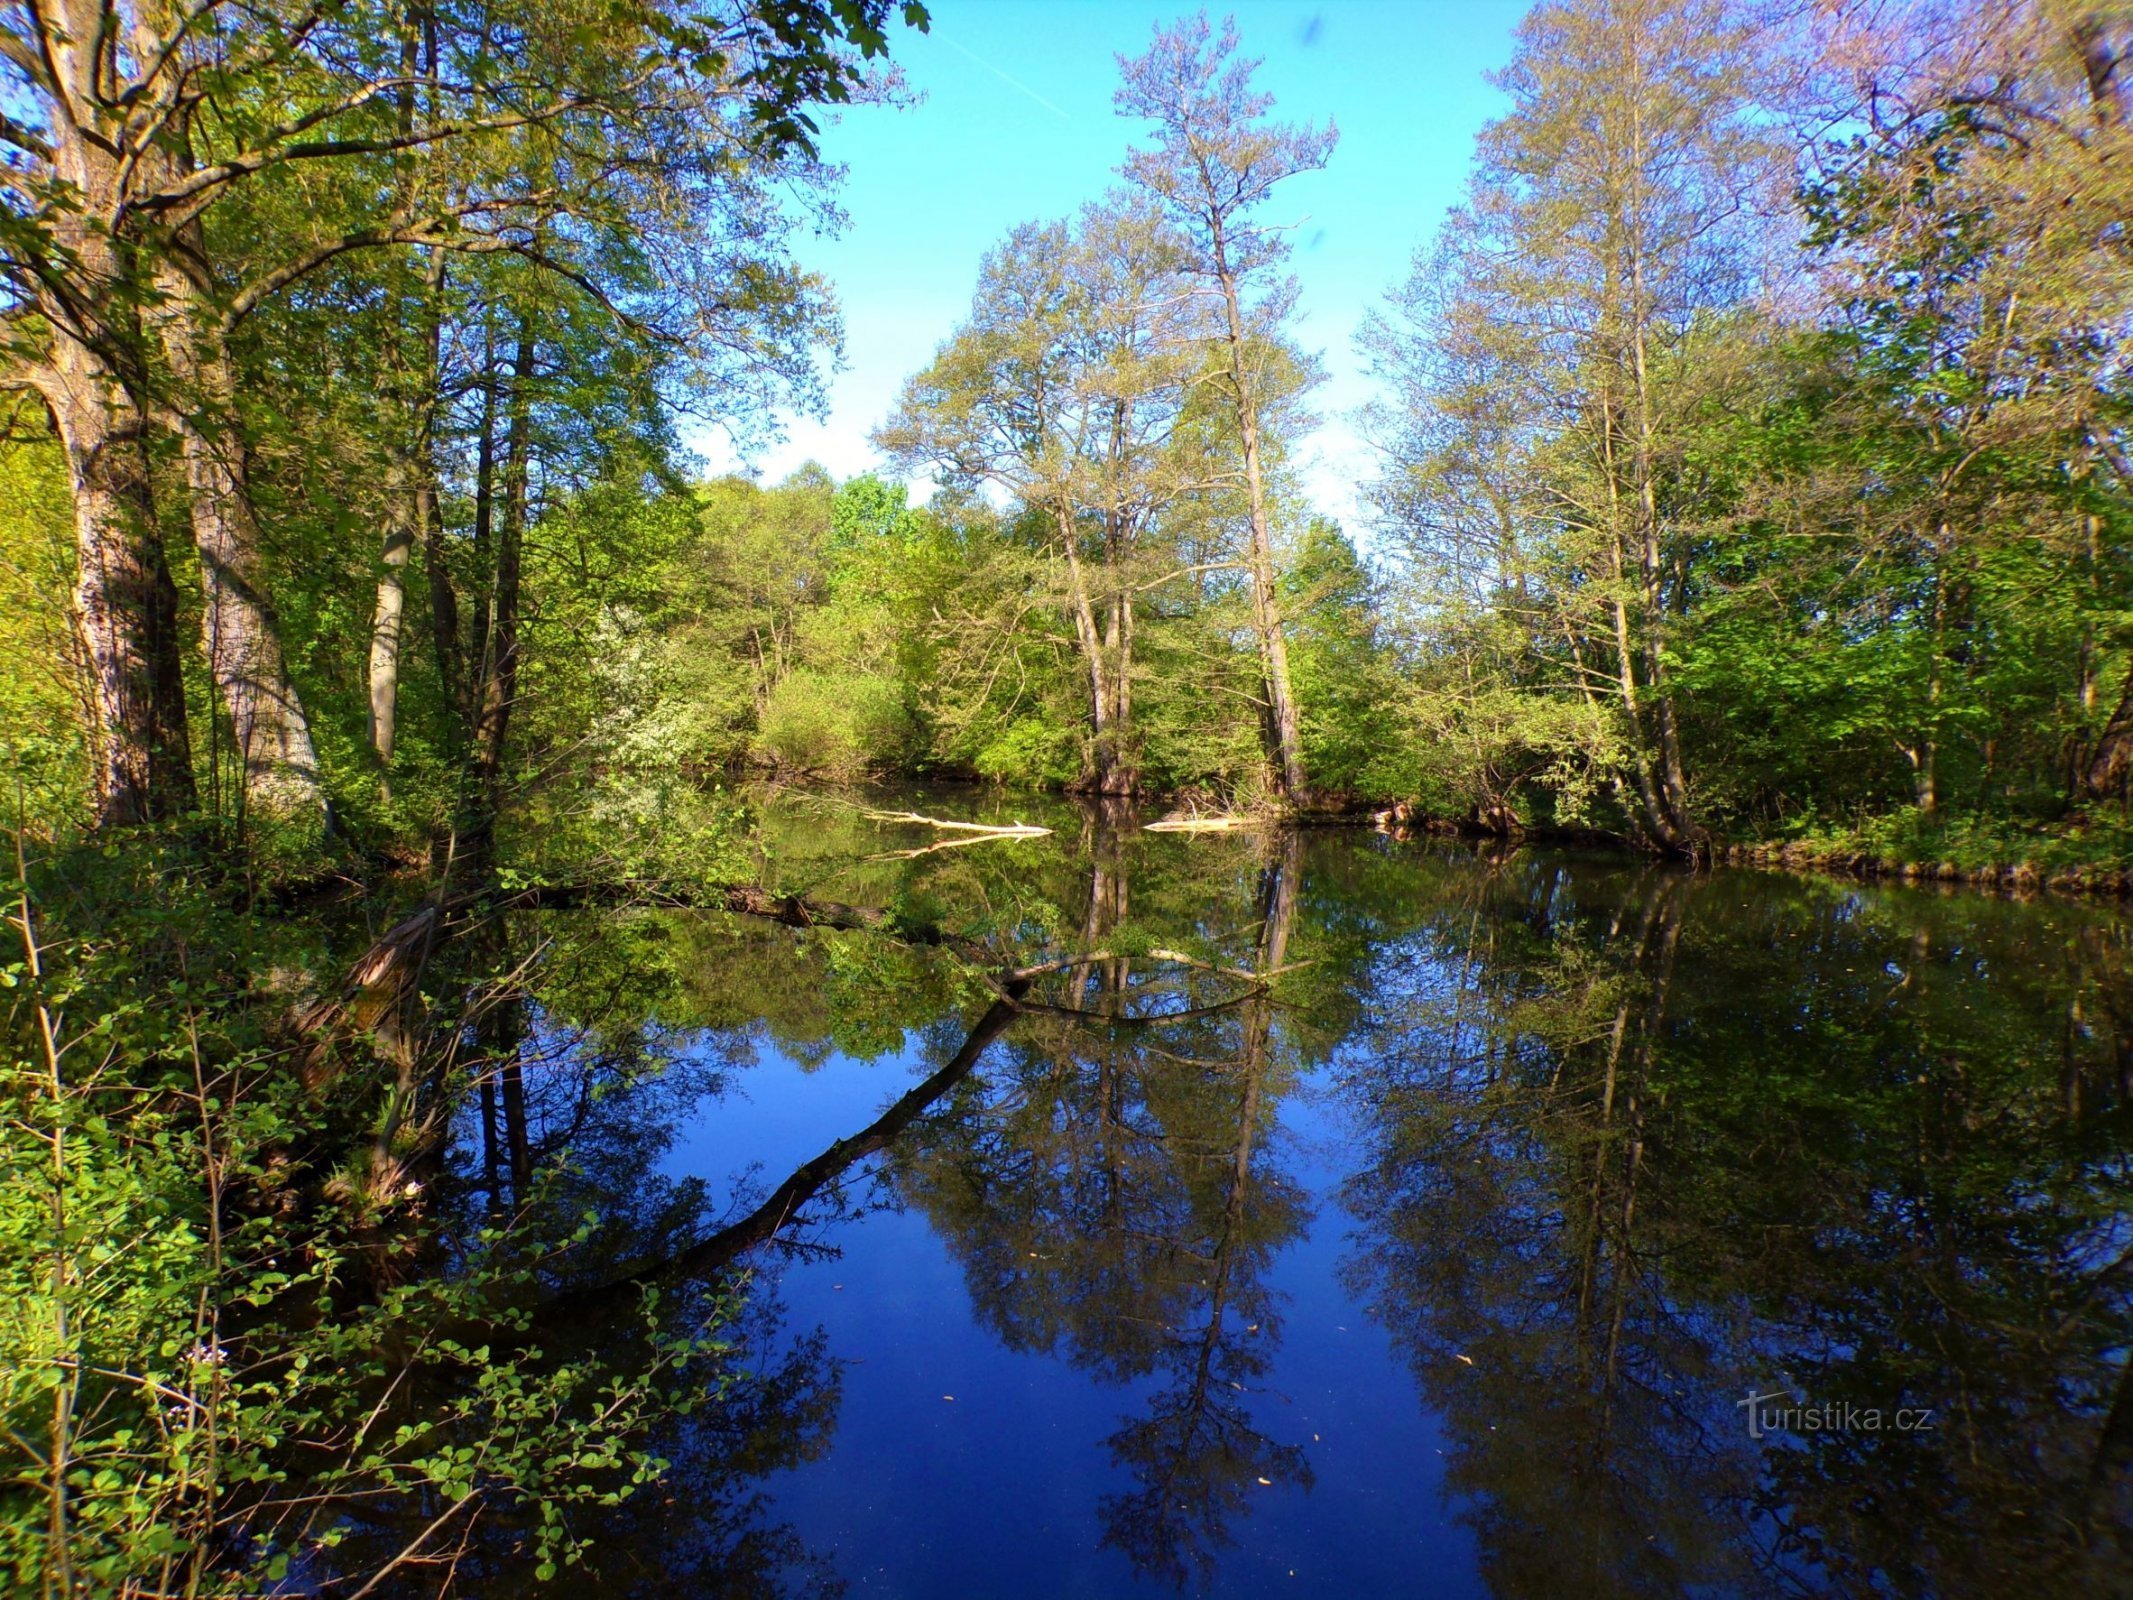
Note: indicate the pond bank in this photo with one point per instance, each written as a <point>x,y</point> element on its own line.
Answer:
<point>2061,870</point>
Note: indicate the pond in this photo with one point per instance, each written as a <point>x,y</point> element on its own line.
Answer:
<point>1546,1224</point>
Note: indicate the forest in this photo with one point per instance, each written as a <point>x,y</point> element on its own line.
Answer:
<point>1752,460</point>
<point>1754,482</point>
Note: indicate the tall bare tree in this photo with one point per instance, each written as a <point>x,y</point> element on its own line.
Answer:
<point>1215,160</point>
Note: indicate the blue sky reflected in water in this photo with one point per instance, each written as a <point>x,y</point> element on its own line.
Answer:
<point>996,1491</point>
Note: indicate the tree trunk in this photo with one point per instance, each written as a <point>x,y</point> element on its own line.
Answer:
<point>498,687</point>
<point>93,381</point>
<point>385,628</point>
<point>1925,760</point>
<point>1671,779</point>
<point>1122,773</point>
<point>1284,727</point>
<point>412,494</point>
<point>444,600</point>
<point>483,541</point>
<point>1098,772</point>
<point>2111,762</point>
<point>412,518</point>
<point>125,604</point>
<point>1646,768</point>
<point>238,624</point>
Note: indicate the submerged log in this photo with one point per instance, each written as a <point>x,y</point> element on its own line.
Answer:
<point>720,1249</point>
<point>1223,823</point>
<point>991,830</point>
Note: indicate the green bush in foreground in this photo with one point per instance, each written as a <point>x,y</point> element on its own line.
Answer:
<point>213,1371</point>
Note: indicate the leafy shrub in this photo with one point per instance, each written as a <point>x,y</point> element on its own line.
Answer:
<point>1031,750</point>
<point>835,724</point>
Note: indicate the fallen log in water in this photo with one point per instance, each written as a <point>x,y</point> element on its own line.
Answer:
<point>386,976</point>
<point>1224,823</point>
<point>993,830</point>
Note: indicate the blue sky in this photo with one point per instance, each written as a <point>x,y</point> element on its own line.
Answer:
<point>1014,123</point>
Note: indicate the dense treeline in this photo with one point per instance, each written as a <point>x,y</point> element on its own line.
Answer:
<point>1758,424</point>
<point>1755,465</point>
<point>357,321</point>
<point>1753,442</point>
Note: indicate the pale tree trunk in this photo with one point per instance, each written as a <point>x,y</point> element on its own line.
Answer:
<point>1646,764</point>
<point>92,381</point>
<point>385,627</point>
<point>1121,774</point>
<point>125,605</point>
<point>1669,781</point>
<point>1284,726</point>
<point>1097,772</point>
<point>412,476</point>
<point>482,542</point>
<point>238,624</point>
<point>411,518</point>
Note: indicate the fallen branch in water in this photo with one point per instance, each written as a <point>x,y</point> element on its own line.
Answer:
<point>721,1249</point>
<point>1225,823</point>
<point>940,844</point>
<point>1155,953</point>
<point>710,1254</point>
<point>991,830</point>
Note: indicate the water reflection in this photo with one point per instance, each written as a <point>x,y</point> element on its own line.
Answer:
<point>1640,1144</point>
<point>1600,1148</point>
<point>1114,1194</point>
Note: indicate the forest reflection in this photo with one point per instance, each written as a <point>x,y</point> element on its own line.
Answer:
<point>1641,1143</point>
<point>1114,1195</point>
<point>1617,1146</point>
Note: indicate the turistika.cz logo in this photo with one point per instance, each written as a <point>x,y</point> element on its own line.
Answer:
<point>1783,1411</point>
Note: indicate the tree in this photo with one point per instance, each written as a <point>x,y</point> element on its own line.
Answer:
<point>1067,388</point>
<point>1613,220</point>
<point>1974,238</point>
<point>147,129</point>
<point>1213,164</point>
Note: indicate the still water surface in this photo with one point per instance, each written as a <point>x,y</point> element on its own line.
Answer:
<point>1441,1267</point>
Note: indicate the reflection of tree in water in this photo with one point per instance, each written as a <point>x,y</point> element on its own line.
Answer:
<point>1120,1207</point>
<point>1640,1148</point>
<point>1634,1144</point>
<point>530,1137</point>
<point>586,1042</point>
<point>1110,1195</point>
<point>707,1528</point>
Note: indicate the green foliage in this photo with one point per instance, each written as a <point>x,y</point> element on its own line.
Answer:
<point>834,724</point>
<point>1031,749</point>
<point>203,1350</point>
<point>1347,682</point>
<point>1773,565</point>
<point>43,745</point>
